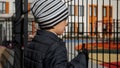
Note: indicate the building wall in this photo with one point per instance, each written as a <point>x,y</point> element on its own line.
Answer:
<point>85,18</point>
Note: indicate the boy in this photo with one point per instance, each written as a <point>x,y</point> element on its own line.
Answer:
<point>47,50</point>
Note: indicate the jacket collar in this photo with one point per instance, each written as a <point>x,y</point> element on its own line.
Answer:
<point>49,34</point>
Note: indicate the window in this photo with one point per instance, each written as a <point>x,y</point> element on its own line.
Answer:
<point>71,9</point>
<point>76,28</point>
<point>110,10</point>
<point>29,6</point>
<point>90,27</point>
<point>81,10</point>
<point>95,11</point>
<point>2,7</point>
<point>72,28</point>
<point>13,7</point>
<point>30,27</point>
<point>105,11</point>
<point>90,10</point>
<point>95,28</point>
<point>81,28</point>
<point>104,27</point>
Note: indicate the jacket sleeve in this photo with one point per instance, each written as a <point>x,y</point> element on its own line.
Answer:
<point>60,59</point>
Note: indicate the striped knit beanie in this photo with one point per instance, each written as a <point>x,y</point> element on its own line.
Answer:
<point>48,13</point>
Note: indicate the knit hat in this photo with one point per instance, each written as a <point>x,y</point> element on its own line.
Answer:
<point>48,13</point>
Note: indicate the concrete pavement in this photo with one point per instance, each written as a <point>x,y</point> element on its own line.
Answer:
<point>8,54</point>
<point>2,49</point>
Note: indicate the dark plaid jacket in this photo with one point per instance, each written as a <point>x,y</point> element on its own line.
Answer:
<point>48,51</point>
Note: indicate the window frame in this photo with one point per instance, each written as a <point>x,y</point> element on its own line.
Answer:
<point>3,7</point>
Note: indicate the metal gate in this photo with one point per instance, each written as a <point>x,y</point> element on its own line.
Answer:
<point>93,23</point>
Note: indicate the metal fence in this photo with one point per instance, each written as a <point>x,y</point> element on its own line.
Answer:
<point>95,23</point>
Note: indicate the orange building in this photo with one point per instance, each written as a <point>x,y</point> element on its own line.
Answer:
<point>94,17</point>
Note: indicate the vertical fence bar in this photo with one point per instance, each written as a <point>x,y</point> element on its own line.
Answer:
<point>6,33</point>
<point>67,38</point>
<point>75,16</point>
<point>82,20</point>
<point>117,33</point>
<point>71,21</point>
<point>91,31</point>
<point>103,34</point>
<point>25,28</point>
<point>9,30</point>
<point>97,35</point>
<point>87,25</point>
<point>18,35</point>
<point>114,29</point>
<point>78,24</point>
<point>70,30</point>
<point>114,34</point>
<point>109,31</point>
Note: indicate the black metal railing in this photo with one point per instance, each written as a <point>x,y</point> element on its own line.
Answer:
<point>95,23</point>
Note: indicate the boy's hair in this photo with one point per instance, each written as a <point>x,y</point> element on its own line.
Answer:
<point>48,13</point>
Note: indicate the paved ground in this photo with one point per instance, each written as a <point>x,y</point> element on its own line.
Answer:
<point>106,57</point>
<point>96,56</point>
<point>92,63</point>
<point>0,65</point>
<point>7,54</point>
<point>1,51</point>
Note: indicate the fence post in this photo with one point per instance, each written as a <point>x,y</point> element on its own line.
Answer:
<point>17,35</point>
<point>25,26</point>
